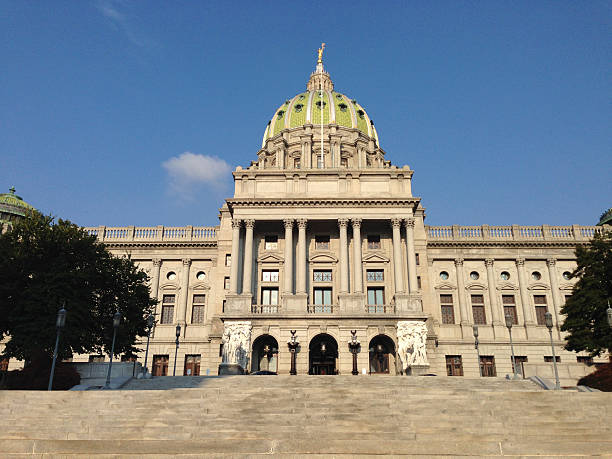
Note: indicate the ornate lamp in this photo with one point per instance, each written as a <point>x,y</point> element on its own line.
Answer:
<point>150,325</point>
<point>509,321</point>
<point>178,335</point>
<point>549,325</point>
<point>293,344</point>
<point>475,330</point>
<point>354,348</point>
<point>59,324</point>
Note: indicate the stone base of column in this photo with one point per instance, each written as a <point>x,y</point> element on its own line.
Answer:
<point>295,304</point>
<point>408,302</point>
<point>351,303</point>
<point>238,304</point>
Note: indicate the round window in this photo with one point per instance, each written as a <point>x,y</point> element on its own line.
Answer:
<point>567,275</point>
<point>444,275</point>
<point>505,275</point>
<point>536,276</point>
<point>474,275</point>
<point>171,275</point>
<point>201,275</point>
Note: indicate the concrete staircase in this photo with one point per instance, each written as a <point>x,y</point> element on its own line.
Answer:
<point>299,415</point>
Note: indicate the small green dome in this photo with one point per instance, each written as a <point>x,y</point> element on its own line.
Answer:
<point>308,108</point>
<point>13,207</point>
<point>606,218</point>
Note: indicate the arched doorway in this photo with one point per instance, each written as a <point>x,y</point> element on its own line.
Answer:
<point>265,354</point>
<point>322,355</point>
<point>382,355</point>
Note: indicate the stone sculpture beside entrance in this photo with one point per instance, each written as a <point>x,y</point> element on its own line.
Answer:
<point>236,347</point>
<point>411,345</point>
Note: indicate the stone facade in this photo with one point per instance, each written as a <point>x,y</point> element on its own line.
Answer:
<point>323,236</point>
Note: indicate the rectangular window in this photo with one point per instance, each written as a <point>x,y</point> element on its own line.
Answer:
<point>418,262</point>
<point>321,242</point>
<point>4,364</point>
<point>419,282</point>
<point>549,359</point>
<point>269,275</point>
<point>487,364</point>
<point>96,358</point>
<point>269,295</point>
<point>167,316</point>
<point>160,365</point>
<point>228,259</point>
<point>510,308</point>
<point>541,308</point>
<point>271,242</point>
<point>478,309</point>
<point>376,295</point>
<point>168,299</point>
<point>192,365</point>
<point>446,305</point>
<point>322,275</point>
<point>197,311</point>
<point>223,306</point>
<point>296,163</point>
<point>226,283</point>
<point>585,359</point>
<point>454,366</point>
<point>343,162</point>
<point>373,241</point>
<point>520,360</point>
<point>375,275</point>
<point>323,295</point>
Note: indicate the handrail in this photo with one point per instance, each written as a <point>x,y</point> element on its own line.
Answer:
<point>154,233</point>
<point>511,233</point>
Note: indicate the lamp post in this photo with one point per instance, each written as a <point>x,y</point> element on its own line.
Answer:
<point>475,330</point>
<point>178,334</point>
<point>354,346</point>
<point>116,322</point>
<point>59,324</point>
<point>549,325</point>
<point>293,344</point>
<point>150,324</point>
<point>609,313</point>
<point>509,326</point>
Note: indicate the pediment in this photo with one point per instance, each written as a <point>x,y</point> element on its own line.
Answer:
<point>200,286</point>
<point>566,286</point>
<point>475,286</point>
<point>323,258</point>
<point>538,286</point>
<point>270,258</point>
<point>375,258</point>
<point>168,286</point>
<point>445,286</point>
<point>507,286</point>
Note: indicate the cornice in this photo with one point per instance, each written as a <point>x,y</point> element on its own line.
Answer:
<point>505,244</point>
<point>334,202</point>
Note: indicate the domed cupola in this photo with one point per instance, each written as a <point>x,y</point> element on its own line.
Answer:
<point>12,208</point>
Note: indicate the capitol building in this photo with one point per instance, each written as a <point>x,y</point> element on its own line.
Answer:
<point>324,243</point>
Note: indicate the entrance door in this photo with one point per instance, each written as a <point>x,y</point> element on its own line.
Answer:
<point>323,353</point>
<point>192,365</point>
<point>160,365</point>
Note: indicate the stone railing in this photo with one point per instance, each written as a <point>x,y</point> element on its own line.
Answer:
<point>265,308</point>
<point>380,308</point>
<point>154,233</point>
<point>322,308</point>
<point>511,233</point>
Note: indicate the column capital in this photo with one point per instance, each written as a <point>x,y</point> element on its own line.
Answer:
<point>343,222</point>
<point>302,223</point>
<point>520,262</point>
<point>458,261</point>
<point>186,261</point>
<point>249,223</point>
<point>489,262</point>
<point>551,262</point>
<point>157,262</point>
<point>236,223</point>
<point>356,222</point>
<point>409,222</point>
<point>288,222</point>
<point>396,222</point>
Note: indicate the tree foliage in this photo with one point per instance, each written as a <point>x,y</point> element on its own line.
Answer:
<point>45,264</point>
<point>586,320</point>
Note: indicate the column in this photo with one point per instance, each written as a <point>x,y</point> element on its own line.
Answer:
<point>288,256</point>
<point>343,223</point>
<point>412,277</point>
<point>155,279</point>
<point>182,312</point>
<point>301,256</point>
<point>235,250</point>
<point>492,292</point>
<point>527,310</point>
<point>554,286</point>
<point>357,270</point>
<point>248,257</point>
<point>465,315</point>
<point>397,255</point>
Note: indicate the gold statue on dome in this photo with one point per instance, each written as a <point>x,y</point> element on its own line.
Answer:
<point>320,51</point>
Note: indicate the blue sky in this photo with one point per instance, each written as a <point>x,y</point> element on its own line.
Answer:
<point>133,112</point>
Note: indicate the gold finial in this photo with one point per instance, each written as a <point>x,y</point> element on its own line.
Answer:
<point>320,51</point>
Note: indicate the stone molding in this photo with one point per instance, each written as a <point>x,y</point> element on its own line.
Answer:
<point>186,261</point>
<point>458,261</point>
<point>250,223</point>
<point>236,223</point>
<point>489,262</point>
<point>396,222</point>
<point>288,222</point>
<point>551,262</point>
<point>157,262</point>
<point>409,222</point>
<point>356,222</point>
<point>343,222</point>
<point>520,262</point>
<point>302,223</point>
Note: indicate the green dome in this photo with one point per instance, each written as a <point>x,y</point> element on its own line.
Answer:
<point>308,107</point>
<point>12,207</point>
<point>606,218</point>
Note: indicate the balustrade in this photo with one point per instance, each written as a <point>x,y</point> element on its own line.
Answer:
<point>380,308</point>
<point>515,232</point>
<point>265,308</point>
<point>322,308</point>
<point>159,233</point>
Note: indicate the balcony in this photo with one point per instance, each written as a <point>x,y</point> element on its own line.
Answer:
<point>380,308</point>
<point>322,308</point>
<point>265,309</point>
<point>511,233</point>
<point>154,233</point>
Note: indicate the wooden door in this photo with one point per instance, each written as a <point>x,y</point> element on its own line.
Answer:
<point>192,365</point>
<point>160,365</point>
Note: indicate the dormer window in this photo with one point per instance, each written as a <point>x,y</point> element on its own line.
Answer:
<point>361,113</point>
<point>298,108</point>
<point>320,103</point>
<point>280,114</point>
<point>342,107</point>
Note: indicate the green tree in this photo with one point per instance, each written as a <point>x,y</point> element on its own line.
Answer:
<point>586,320</point>
<point>45,264</point>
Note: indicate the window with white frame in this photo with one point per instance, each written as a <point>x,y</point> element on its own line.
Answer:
<point>269,275</point>
<point>269,295</point>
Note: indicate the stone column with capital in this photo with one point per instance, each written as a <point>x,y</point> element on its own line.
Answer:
<point>554,288</point>
<point>155,278</point>
<point>527,310</point>
<point>288,273</point>
<point>397,255</point>
<point>465,315</point>
<point>412,275</point>
<point>492,292</point>
<point>247,276</point>
<point>343,223</point>
<point>357,271</point>
<point>182,312</point>
<point>235,253</point>
<point>301,256</point>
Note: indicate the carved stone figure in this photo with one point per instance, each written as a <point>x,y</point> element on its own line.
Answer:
<point>236,343</point>
<point>411,339</point>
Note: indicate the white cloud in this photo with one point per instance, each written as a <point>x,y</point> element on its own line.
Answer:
<point>113,10</point>
<point>189,171</point>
